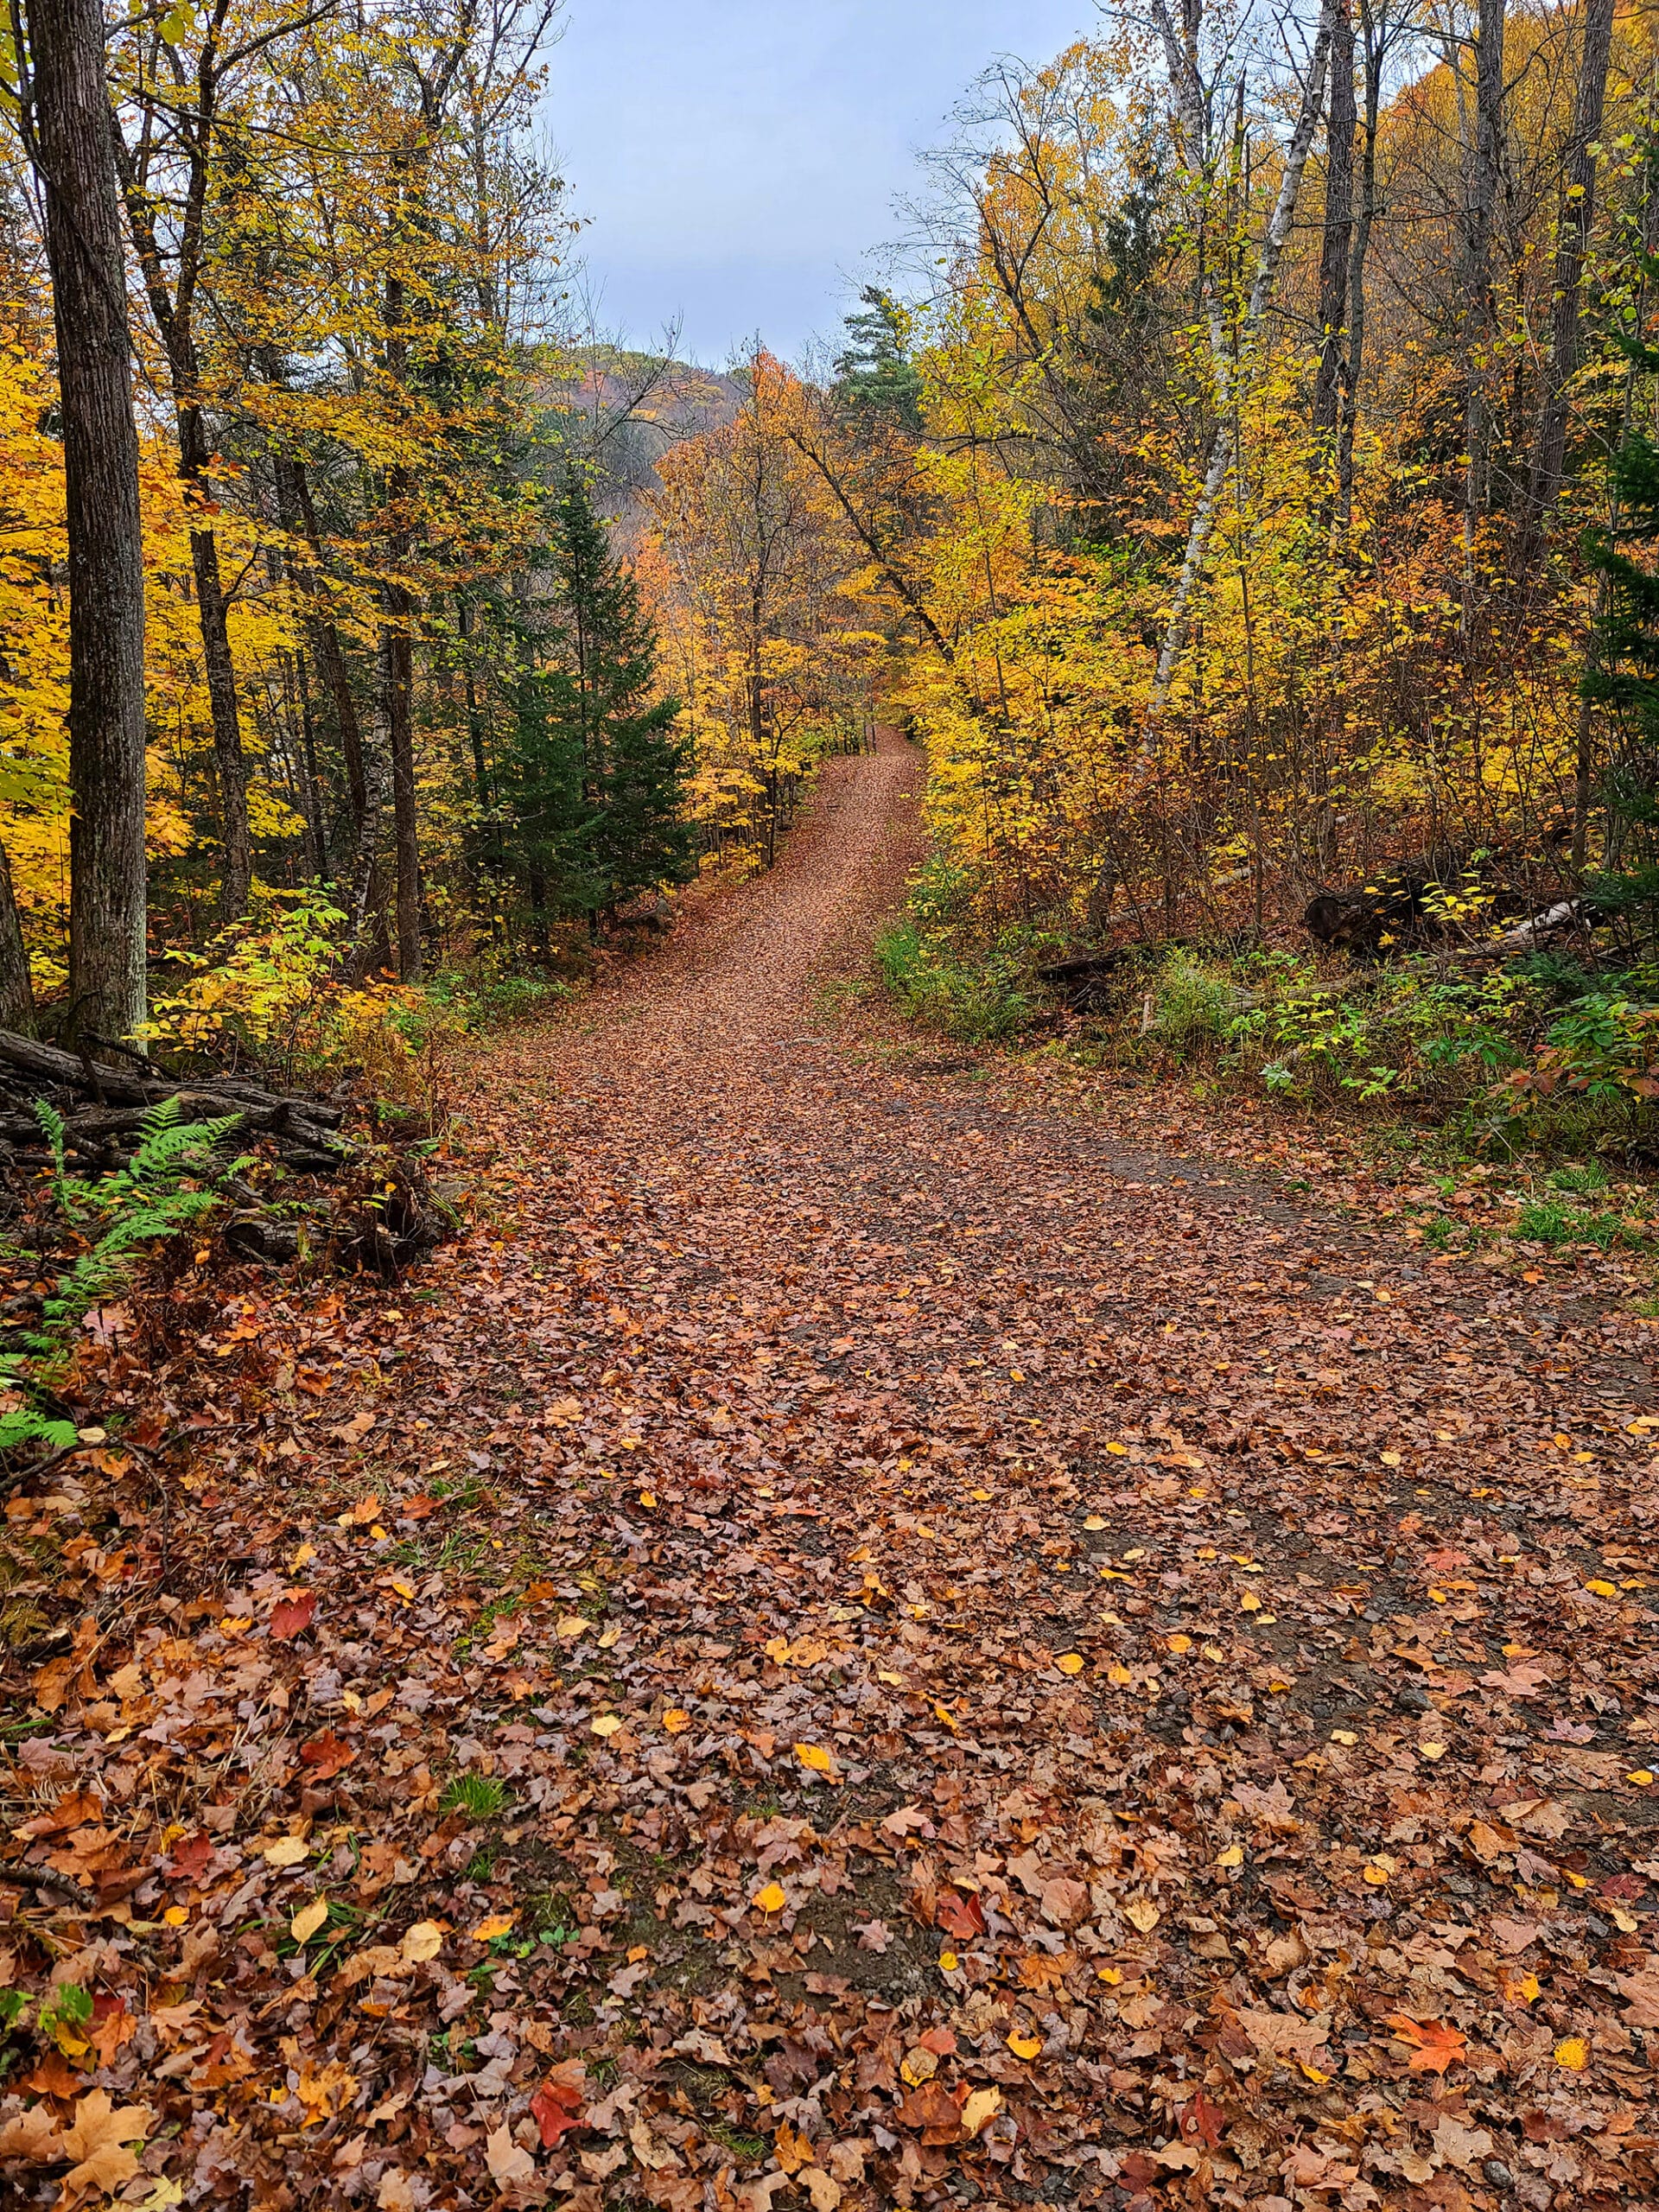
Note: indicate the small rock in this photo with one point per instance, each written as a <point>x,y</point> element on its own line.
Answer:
<point>1411,1699</point>
<point>1498,2174</point>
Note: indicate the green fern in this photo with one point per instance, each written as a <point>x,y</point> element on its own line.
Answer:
<point>170,1183</point>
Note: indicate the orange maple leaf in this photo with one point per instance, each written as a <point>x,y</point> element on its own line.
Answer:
<point>1434,2045</point>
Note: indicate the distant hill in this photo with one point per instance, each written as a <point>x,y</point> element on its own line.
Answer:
<point>631,408</point>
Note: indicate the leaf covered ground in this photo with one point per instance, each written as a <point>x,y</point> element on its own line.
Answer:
<point>865,1639</point>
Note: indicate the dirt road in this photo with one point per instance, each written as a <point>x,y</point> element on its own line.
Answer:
<point>888,1645</point>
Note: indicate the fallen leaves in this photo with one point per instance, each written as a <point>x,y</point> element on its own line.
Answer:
<point>706,1752</point>
<point>99,2144</point>
<point>1433,2044</point>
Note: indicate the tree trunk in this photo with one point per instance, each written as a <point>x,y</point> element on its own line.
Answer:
<point>173,307</point>
<point>1228,365</point>
<point>1480,312</point>
<point>400,731</point>
<point>16,991</point>
<point>237,876</point>
<point>1572,237</point>
<point>71,100</point>
<point>299,518</point>
<point>1336,244</point>
<point>1366,217</point>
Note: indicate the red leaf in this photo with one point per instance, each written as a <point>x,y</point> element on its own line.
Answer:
<point>293,1617</point>
<point>190,1856</point>
<point>958,1915</point>
<point>328,1753</point>
<point>940,2042</point>
<point>1202,2121</point>
<point>556,2107</point>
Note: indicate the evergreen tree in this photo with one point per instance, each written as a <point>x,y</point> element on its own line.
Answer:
<point>874,374</point>
<point>1624,675</point>
<point>597,778</point>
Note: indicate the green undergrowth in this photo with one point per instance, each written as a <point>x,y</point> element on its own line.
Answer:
<point>1540,1074</point>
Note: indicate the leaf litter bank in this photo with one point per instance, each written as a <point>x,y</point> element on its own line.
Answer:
<point>855,1645</point>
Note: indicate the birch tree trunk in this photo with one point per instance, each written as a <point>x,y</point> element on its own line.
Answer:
<point>70,119</point>
<point>1231,348</point>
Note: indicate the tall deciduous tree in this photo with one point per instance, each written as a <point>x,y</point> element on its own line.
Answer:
<point>67,109</point>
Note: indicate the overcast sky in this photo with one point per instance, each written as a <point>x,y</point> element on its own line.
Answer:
<point>737,158</point>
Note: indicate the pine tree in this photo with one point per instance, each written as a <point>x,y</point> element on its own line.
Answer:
<point>598,776</point>
<point>874,374</point>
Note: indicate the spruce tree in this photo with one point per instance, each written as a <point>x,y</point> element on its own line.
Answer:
<point>597,781</point>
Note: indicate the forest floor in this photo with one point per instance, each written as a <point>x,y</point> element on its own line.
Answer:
<point>870,1636</point>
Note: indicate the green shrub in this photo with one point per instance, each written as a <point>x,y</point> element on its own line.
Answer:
<point>1193,1003</point>
<point>978,1000</point>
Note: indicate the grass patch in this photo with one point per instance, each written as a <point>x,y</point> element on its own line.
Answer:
<point>480,1796</point>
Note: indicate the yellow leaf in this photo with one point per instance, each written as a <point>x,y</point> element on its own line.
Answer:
<point>1250,1603</point>
<point>498,1923</point>
<point>948,1962</point>
<point>610,1638</point>
<point>1344,1736</point>
<point>1118,1451</point>
<point>1142,1914</point>
<point>772,1898</point>
<point>1178,1644</point>
<point>570,1626</point>
<point>287,1851</point>
<point>982,2106</point>
<point>604,1724</point>
<point>1025,2046</point>
<point>1093,1521</point>
<point>1603,1589</point>
<point>306,1921</point>
<point>980,1497</point>
<point>1233,1856</point>
<point>1377,1876</point>
<point>175,1916</point>
<point>676,1720</point>
<point>1313,2072</point>
<point>814,1756</point>
<point>1574,2053</point>
<point>1069,1663</point>
<point>422,1941</point>
<point>1641,1775</point>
